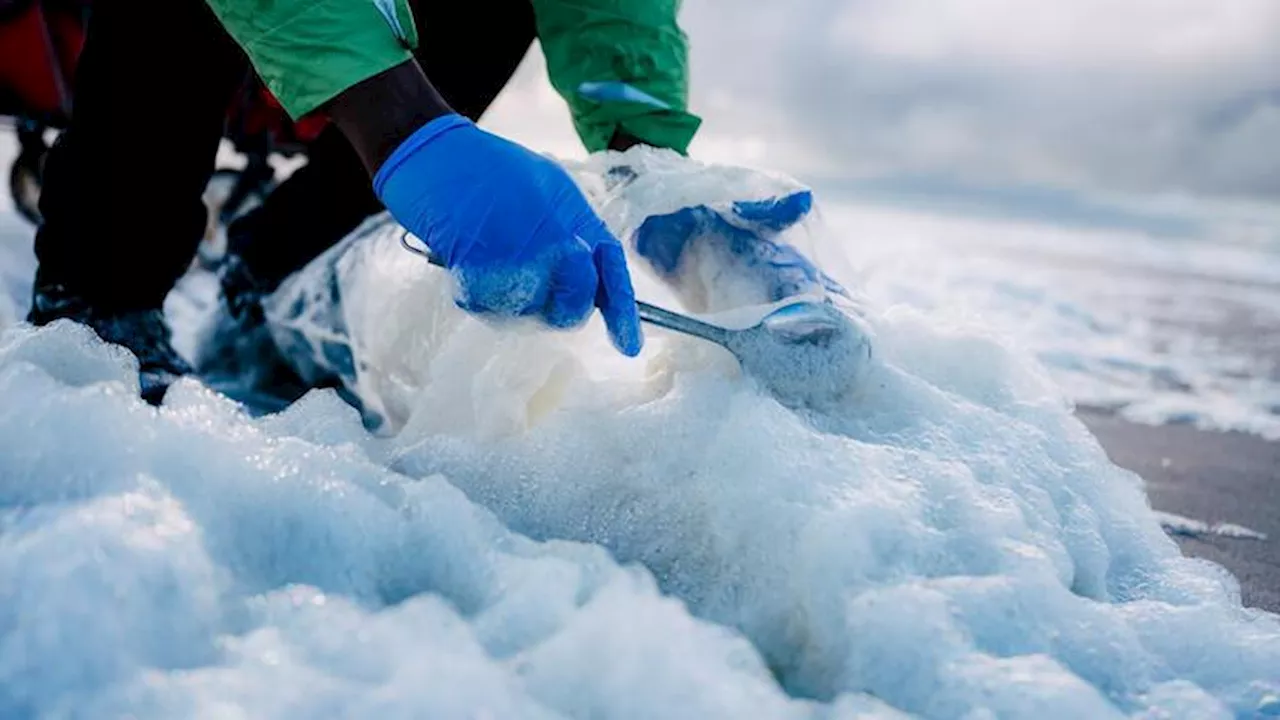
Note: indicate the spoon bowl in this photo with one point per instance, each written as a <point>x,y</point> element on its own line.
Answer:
<point>807,354</point>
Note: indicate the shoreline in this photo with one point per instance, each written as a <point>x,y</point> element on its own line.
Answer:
<point>1211,477</point>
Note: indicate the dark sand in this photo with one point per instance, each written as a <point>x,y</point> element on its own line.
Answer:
<point>1212,477</point>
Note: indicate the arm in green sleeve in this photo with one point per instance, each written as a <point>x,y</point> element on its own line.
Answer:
<point>622,65</point>
<point>308,51</point>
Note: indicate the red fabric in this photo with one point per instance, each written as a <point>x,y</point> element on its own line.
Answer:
<point>307,128</point>
<point>261,112</point>
<point>28,68</point>
<point>39,48</point>
<point>304,130</point>
<point>67,31</point>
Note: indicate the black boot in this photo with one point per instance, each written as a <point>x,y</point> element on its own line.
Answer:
<point>271,367</point>
<point>241,358</point>
<point>145,333</point>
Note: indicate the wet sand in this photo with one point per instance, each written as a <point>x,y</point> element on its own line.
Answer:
<point>1212,477</point>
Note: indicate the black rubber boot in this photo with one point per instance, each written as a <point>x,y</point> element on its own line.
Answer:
<point>273,365</point>
<point>145,333</point>
<point>241,358</point>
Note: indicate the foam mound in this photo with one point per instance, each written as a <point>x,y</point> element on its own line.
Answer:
<point>550,530</point>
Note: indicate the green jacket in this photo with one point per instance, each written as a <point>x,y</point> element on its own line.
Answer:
<point>620,64</point>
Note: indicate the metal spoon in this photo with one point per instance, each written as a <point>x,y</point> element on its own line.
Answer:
<point>807,354</point>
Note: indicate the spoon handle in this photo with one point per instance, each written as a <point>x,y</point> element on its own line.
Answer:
<point>661,317</point>
<point>680,323</point>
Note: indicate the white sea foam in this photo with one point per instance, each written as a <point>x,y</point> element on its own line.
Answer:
<point>550,530</point>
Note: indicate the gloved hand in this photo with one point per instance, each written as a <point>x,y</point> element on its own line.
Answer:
<point>745,234</point>
<point>512,227</point>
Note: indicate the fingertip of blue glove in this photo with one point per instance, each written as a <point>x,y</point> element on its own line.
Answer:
<point>616,298</point>
<point>629,344</point>
<point>625,332</point>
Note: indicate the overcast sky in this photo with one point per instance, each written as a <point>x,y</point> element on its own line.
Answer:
<point>1112,96</point>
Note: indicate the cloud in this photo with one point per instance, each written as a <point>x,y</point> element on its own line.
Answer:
<point>1133,96</point>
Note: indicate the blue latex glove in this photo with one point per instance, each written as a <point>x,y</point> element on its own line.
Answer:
<point>512,227</point>
<point>747,231</point>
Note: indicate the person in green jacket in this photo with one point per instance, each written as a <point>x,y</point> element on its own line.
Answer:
<point>402,84</point>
